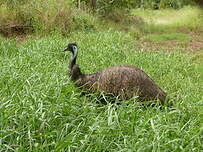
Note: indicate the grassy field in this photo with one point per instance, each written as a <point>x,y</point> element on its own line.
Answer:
<point>41,110</point>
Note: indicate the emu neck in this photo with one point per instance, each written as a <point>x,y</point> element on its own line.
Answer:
<point>74,58</point>
<point>75,72</point>
<point>72,63</point>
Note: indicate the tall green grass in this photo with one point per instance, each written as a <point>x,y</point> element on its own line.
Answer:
<point>41,110</point>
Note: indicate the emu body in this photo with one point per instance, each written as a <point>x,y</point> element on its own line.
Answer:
<point>122,81</point>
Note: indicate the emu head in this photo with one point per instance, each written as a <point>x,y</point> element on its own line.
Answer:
<point>71,47</point>
<point>74,69</point>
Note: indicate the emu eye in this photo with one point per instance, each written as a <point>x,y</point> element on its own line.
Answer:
<point>74,47</point>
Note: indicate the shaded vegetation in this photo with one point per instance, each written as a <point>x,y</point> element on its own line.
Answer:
<point>63,17</point>
<point>47,16</point>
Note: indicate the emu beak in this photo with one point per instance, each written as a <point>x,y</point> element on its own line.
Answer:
<point>66,49</point>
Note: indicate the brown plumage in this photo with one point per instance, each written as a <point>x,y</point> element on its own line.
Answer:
<point>123,81</point>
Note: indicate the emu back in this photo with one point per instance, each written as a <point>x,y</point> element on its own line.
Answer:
<point>123,81</point>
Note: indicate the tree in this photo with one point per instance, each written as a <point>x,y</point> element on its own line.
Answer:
<point>93,4</point>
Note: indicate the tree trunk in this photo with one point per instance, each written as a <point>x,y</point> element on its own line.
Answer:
<point>78,4</point>
<point>142,4</point>
<point>93,4</point>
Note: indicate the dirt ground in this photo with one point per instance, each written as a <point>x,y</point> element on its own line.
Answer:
<point>192,47</point>
<point>172,45</point>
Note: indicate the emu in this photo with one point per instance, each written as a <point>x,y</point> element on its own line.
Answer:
<point>122,81</point>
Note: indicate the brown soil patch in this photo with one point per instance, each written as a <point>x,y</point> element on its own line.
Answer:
<point>172,45</point>
<point>196,45</point>
<point>192,46</point>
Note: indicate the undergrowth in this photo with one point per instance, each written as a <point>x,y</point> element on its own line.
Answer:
<point>63,17</point>
<point>41,110</point>
<point>47,16</point>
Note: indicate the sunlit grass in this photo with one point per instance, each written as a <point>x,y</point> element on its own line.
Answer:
<point>170,19</point>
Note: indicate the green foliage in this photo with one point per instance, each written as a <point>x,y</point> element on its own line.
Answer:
<point>41,110</point>
<point>62,17</point>
<point>174,3</point>
<point>83,21</point>
<point>107,6</point>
